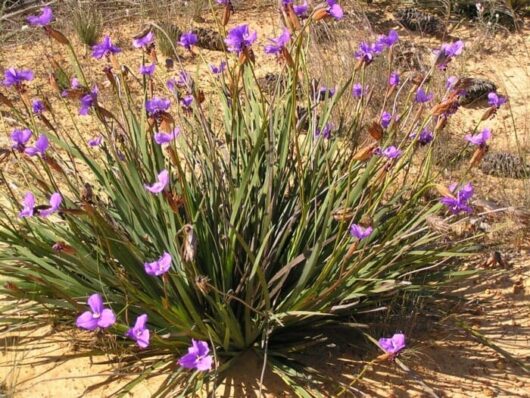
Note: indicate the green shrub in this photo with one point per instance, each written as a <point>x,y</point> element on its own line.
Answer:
<point>256,215</point>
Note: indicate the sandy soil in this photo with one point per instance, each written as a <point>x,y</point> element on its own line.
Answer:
<point>460,355</point>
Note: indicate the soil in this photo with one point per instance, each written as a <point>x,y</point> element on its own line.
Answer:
<point>476,350</point>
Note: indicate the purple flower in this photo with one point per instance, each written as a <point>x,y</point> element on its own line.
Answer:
<point>278,43</point>
<point>88,101</point>
<point>386,118</point>
<point>240,38</point>
<point>394,344</point>
<point>394,79</point>
<point>95,142</point>
<point>40,147</point>
<point>147,70</point>
<point>188,40</point>
<point>423,97</point>
<point>217,70</point>
<point>184,79</point>
<point>28,205</point>
<point>447,52</point>
<point>424,137</point>
<point>160,266</point>
<point>44,19</point>
<point>496,100</point>
<point>99,316</point>
<point>325,132</point>
<point>55,201</point>
<point>390,152</point>
<point>451,81</point>
<point>74,83</point>
<point>357,90</point>
<point>38,106</point>
<point>143,41</point>
<point>365,53</point>
<point>160,184</point>
<point>301,10</point>
<point>460,203</point>
<point>479,139</point>
<point>105,48</point>
<point>388,40</point>
<point>139,332</point>
<point>224,2</point>
<point>186,101</point>
<point>13,77</point>
<point>19,139</point>
<point>164,138</point>
<point>325,92</point>
<point>334,9</point>
<point>360,232</point>
<point>156,105</point>
<point>197,357</point>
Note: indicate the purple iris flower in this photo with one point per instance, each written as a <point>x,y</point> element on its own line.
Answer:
<point>479,139</point>
<point>98,316</point>
<point>44,19</point>
<point>357,90</point>
<point>186,101</point>
<point>360,232</point>
<point>496,100</point>
<point>156,105</point>
<point>164,138</point>
<point>160,266</point>
<point>20,138</point>
<point>240,38</point>
<point>139,332</point>
<point>447,52</point>
<point>55,202</point>
<point>325,132</point>
<point>390,152</point>
<point>325,92</point>
<point>423,97</point>
<point>38,106</point>
<point>386,118</point>
<point>424,138</point>
<point>460,203</point>
<point>388,40</point>
<point>188,40</point>
<point>394,344</point>
<point>301,10</point>
<point>160,184</point>
<point>217,70</point>
<point>184,79</point>
<point>451,81</point>
<point>334,9</point>
<point>88,101</point>
<point>105,48</point>
<point>365,53</point>
<point>197,357</point>
<point>74,83</point>
<point>13,77</point>
<point>40,147</point>
<point>278,43</point>
<point>147,70</point>
<point>394,79</point>
<point>28,205</point>
<point>95,142</point>
<point>144,41</point>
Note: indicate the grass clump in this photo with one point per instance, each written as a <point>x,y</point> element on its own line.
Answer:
<point>87,22</point>
<point>222,225</point>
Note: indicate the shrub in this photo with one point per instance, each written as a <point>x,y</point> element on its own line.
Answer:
<point>166,37</point>
<point>220,219</point>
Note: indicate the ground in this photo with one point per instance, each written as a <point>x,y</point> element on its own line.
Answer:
<point>476,350</point>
